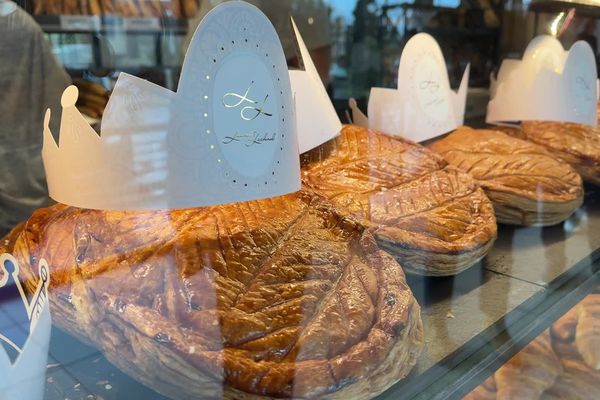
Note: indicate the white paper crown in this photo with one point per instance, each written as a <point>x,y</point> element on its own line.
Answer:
<point>423,106</point>
<point>25,378</point>
<point>316,117</point>
<point>227,135</point>
<point>548,84</point>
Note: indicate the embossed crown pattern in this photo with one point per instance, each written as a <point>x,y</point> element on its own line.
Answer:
<point>227,135</point>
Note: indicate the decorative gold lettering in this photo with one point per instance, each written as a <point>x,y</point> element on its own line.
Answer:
<point>247,113</point>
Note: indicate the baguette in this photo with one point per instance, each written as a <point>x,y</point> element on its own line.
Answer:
<point>71,7</point>
<point>54,7</point>
<point>89,111</point>
<point>171,9</point>
<point>190,8</point>
<point>109,7</point>
<point>38,7</point>
<point>94,7</point>
<point>156,7</point>
<point>145,8</point>
<point>84,6</point>
<point>93,100</point>
<point>91,87</point>
<point>129,8</point>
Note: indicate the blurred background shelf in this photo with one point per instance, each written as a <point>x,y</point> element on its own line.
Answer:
<point>111,24</point>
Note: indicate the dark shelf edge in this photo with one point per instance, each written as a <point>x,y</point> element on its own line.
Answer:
<point>469,366</point>
<point>553,305</point>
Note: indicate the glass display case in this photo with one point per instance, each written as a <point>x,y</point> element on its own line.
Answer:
<point>473,322</point>
<point>398,270</point>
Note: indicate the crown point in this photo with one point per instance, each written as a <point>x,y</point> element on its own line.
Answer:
<point>69,97</point>
<point>47,118</point>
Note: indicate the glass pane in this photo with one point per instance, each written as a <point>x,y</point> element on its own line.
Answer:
<point>461,266</point>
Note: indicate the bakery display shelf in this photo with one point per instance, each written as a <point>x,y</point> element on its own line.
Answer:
<point>479,319</point>
<point>466,368</point>
<point>473,322</point>
<point>110,24</point>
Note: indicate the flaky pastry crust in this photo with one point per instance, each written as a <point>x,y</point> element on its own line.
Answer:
<point>526,184</point>
<point>277,298</point>
<point>432,217</point>
<point>579,145</point>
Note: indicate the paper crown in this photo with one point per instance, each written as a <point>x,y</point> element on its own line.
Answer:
<point>547,84</point>
<point>423,106</point>
<point>27,336</point>
<point>227,135</point>
<point>317,120</point>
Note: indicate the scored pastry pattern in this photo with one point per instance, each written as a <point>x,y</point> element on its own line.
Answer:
<point>428,214</point>
<point>273,298</point>
<point>527,185</point>
<point>579,145</point>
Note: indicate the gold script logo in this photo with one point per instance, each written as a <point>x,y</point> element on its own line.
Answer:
<point>250,109</point>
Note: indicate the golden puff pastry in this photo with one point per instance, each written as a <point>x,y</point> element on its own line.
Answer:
<point>429,215</point>
<point>526,184</point>
<point>579,145</point>
<point>276,298</point>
